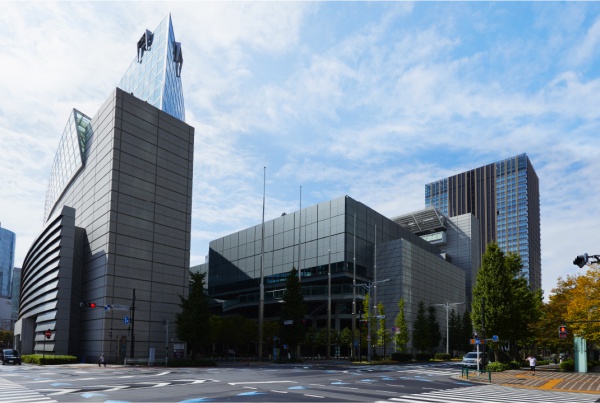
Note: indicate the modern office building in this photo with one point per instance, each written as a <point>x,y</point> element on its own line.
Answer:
<point>354,242</point>
<point>16,286</point>
<point>505,197</point>
<point>456,237</point>
<point>7,260</point>
<point>117,221</point>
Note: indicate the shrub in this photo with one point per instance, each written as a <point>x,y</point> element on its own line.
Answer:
<point>567,366</point>
<point>497,366</point>
<point>423,357</point>
<point>442,356</point>
<point>401,357</point>
<point>39,359</point>
<point>515,365</point>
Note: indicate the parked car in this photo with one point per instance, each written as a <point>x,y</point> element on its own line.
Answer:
<point>470,360</point>
<point>9,355</point>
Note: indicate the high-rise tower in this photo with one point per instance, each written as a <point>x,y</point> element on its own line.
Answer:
<point>118,219</point>
<point>505,197</point>
<point>7,261</point>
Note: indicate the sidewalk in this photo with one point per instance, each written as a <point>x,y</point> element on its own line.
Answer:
<point>547,377</point>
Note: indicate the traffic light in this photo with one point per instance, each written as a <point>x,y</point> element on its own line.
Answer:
<point>562,332</point>
<point>581,260</point>
<point>88,304</point>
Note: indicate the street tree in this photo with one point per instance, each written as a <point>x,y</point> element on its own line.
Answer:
<point>347,340</point>
<point>434,329</point>
<point>402,335</point>
<point>293,311</point>
<point>421,336</point>
<point>455,331</point>
<point>193,323</point>
<point>383,335</point>
<point>554,314</point>
<point>503,304</point>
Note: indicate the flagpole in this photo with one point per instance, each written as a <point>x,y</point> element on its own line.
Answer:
<point>261,298</point>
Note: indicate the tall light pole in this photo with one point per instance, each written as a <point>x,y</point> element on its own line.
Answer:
<point>447,305</point>
<point>261,292</point>
<point>368,287</point>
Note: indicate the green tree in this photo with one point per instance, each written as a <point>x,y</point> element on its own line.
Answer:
<point>455,330</point>
<point>402,336</point>
<point>383,335</point>
<point>467,332</point>
<point>293,311</point>
<point>434,329</point>
<point>193,323</point>
<point>346,339</point>
<point>421,336</point>
<point>502,303</point>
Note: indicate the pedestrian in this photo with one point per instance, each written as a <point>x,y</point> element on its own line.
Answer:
<point>101,360</point>
<point>532,362</point>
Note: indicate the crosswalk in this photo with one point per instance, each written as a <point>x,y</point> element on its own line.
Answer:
<point>13,392</point>
<point>495,394</point>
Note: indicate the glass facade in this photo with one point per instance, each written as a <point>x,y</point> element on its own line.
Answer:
<point>7,261</point>
<point>339,233</point>
<point>505,197</point>
<point>154,74</point>
<point>69,158</point>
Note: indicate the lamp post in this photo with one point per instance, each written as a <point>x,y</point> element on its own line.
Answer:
<point>447,305</point>
<point>368,286</point>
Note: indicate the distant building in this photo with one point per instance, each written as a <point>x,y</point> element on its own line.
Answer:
<point>117,221</point>
<point>505,197</point>
<point>16,286</point>
<point>357,244</point>
<point>7,260</point>
<point>456,237</point>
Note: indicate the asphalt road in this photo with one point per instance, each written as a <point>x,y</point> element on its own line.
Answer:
<point>234,383</point>
<point>256,383</point>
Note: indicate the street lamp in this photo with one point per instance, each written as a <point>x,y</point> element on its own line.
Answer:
<point>368,287</point>
<point>447,305</point>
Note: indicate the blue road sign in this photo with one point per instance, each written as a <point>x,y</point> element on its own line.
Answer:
<point>126,320</point>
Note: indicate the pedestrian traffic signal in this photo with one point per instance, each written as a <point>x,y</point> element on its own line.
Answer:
<point>562,332</point>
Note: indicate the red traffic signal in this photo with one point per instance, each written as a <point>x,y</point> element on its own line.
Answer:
<point>88,304</point>
<point>562,332</point>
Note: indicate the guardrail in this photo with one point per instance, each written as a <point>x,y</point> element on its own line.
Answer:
<point>465,373</point>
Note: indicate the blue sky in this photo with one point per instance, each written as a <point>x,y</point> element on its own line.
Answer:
<point>366,99</point>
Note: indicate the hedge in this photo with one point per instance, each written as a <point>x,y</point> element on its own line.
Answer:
<point>49,359</point>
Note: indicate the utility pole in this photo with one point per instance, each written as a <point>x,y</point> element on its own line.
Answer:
<point>132,308</point>
<point>368,287</point>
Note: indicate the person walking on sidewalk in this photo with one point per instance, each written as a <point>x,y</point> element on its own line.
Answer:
<point>101,361</point>
<point>532,362</point>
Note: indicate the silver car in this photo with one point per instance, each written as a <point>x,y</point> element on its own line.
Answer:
<point>470,360</point>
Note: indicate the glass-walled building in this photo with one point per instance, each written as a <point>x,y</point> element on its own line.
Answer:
<point>7,261</point>
<point>342,235</point>
<point>505,197</point>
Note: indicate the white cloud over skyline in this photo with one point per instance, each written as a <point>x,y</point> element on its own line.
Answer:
<point>368,99</point>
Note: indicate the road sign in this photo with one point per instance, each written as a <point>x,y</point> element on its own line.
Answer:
<point>126,320</point>
<point>48,333</point>
<point>477,341</point>
<point>495,338</point>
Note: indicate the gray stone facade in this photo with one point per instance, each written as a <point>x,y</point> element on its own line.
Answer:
<point>133,199</point>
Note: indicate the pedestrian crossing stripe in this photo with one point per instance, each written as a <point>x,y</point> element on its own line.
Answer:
<point>12,392</point>
<point>429,372</point>
<point>493,393</point>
